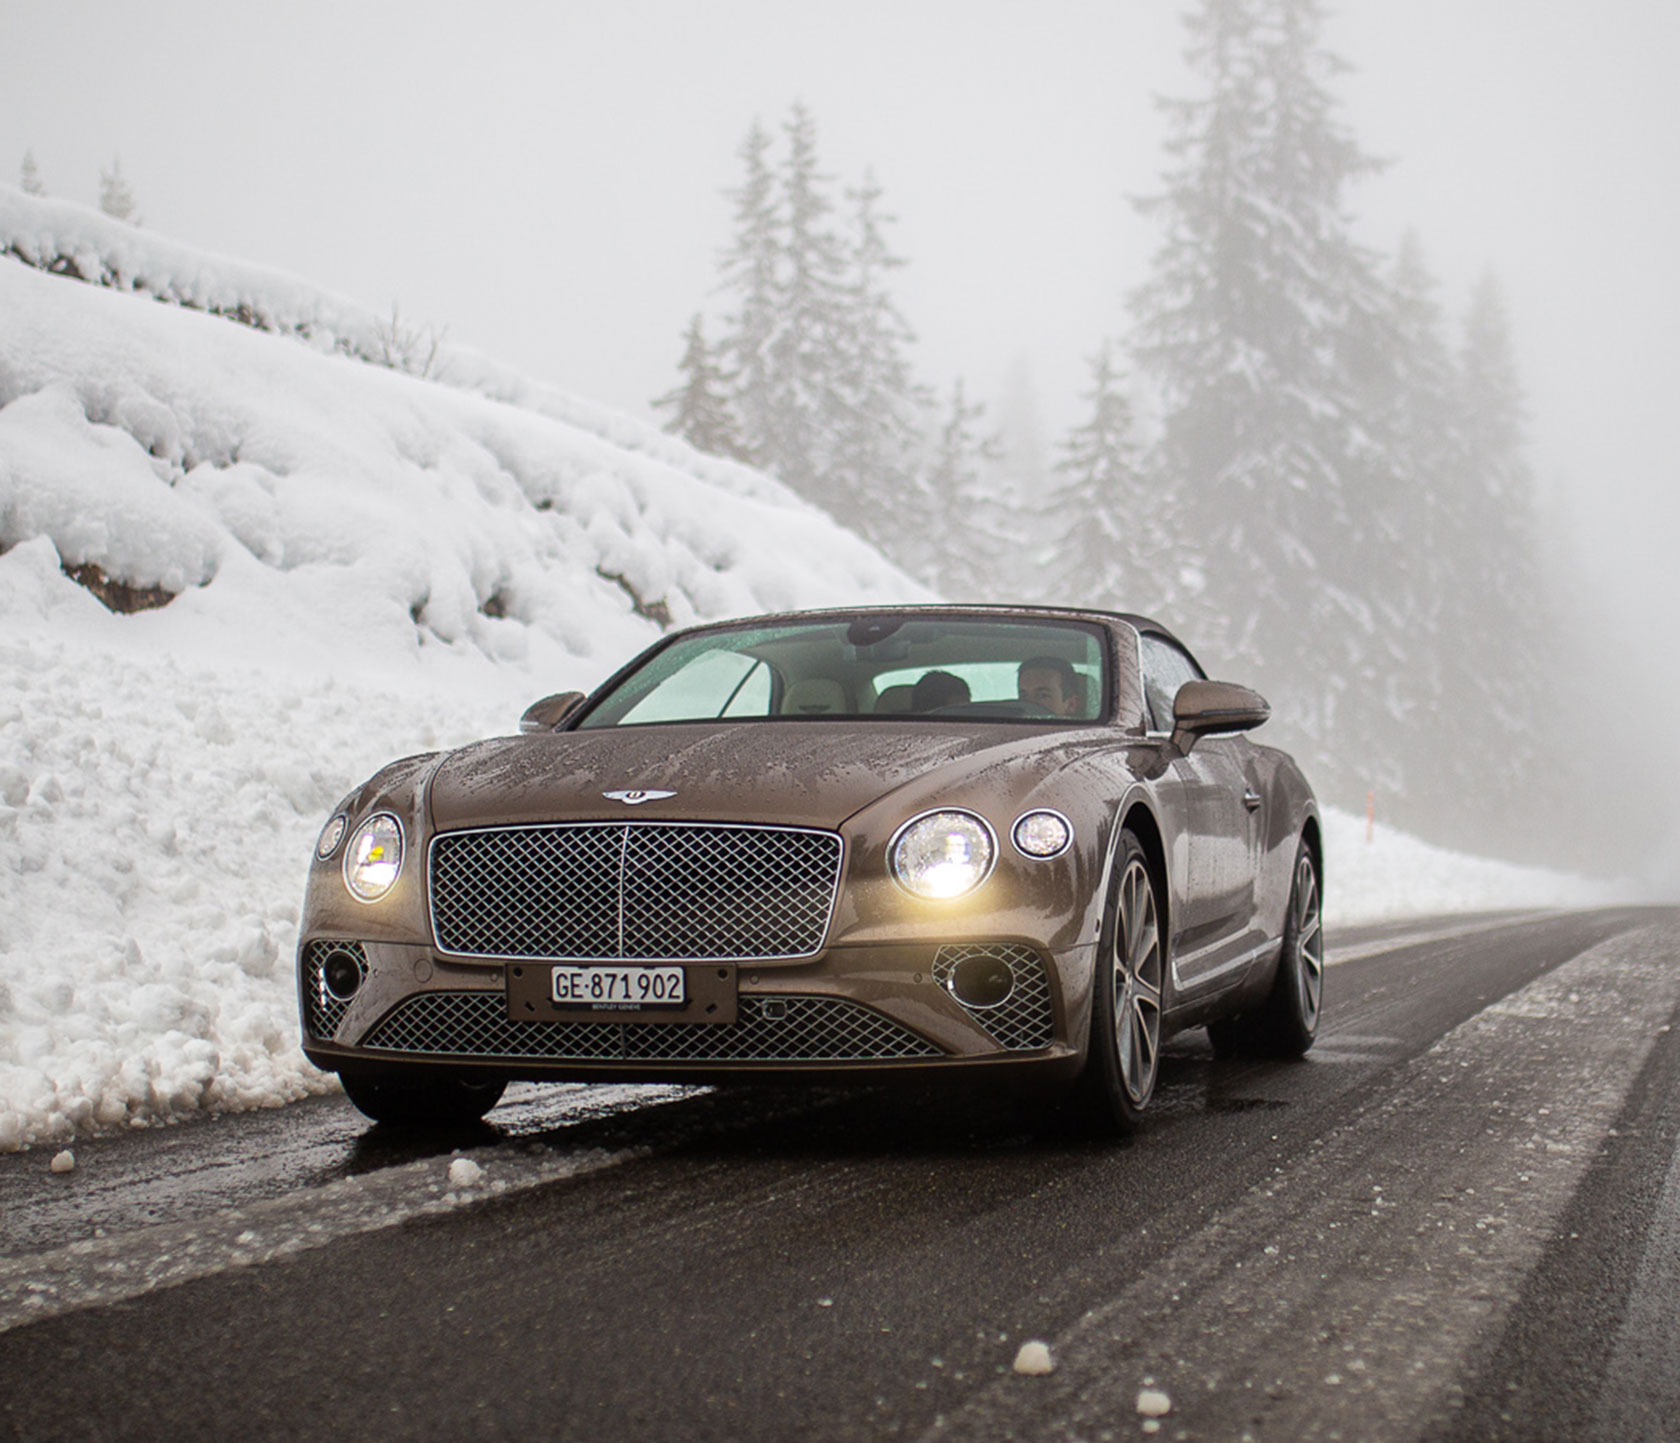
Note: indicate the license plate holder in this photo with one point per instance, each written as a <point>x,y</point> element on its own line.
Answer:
<point>560,992</point>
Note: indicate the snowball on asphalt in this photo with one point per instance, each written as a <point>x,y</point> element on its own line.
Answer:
<point>64,1161</point>
<point>464,1172</point>
<point>1153,1403</point>
<point>1034,1359</point>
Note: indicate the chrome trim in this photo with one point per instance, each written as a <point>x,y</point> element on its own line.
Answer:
<point>892,852</point>
<point>624,827</point>
<point>402,857</point>
<point>322,850</point>
<point>1041,856</point>
<point>1225,968</point>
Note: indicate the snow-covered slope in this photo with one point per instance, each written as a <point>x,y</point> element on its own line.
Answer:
<point>364,564</point>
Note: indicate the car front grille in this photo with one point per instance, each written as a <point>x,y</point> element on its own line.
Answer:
<point>640,891</point>
<point>322,1012</point>
<point>1025,1020</point>
<point>768,1029</point>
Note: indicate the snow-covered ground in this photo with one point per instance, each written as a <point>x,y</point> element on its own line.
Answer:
<point>367,564</point>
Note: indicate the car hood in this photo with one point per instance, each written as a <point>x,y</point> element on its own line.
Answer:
<point>797,773</point>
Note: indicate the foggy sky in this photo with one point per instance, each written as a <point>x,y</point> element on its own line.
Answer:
<point>545,181</point>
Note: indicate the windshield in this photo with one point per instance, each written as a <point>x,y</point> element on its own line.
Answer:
<point>869,667</point>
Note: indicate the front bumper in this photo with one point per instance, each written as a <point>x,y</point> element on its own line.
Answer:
<point>876,1011</point>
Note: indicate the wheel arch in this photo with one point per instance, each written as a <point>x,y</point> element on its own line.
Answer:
<point>1141,823</point>
<point>1312,838</point>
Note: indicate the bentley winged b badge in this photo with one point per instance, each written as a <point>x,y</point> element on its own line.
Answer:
<point>636,796</point>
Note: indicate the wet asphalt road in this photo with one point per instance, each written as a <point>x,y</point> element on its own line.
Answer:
<point>1459,1218</point>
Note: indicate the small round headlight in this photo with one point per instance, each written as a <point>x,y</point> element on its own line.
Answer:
<point>331,835</point>
<point>943,855</point>
<point>1042,834</point>
<point>374,857</point>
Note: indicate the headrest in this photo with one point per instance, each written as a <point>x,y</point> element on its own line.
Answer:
<point>813,696</point>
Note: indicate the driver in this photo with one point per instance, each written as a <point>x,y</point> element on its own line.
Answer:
<point>1052,683</point>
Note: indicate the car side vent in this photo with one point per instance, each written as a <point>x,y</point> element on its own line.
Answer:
<point>1004,987</point>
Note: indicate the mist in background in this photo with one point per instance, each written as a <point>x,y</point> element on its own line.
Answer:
<point>547,183</point>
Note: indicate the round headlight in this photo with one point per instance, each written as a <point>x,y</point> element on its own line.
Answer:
<point>374,857</point>
<point>331,835</point>
<point>1042,834</point>
<point>943,855</point>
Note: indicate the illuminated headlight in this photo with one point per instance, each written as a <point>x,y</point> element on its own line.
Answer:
<point>374,857</point>
<point>331,835</point>
<point>943,855</point>
<point>1042,834</point>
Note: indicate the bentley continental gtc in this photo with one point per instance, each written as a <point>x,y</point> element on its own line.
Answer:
<point>860,846</point>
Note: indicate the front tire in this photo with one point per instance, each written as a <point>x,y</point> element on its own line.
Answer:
<point>410,1100</point>
<point>1128,997</point>
<point>1286,1024</point>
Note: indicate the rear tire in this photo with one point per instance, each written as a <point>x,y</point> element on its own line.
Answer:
<point>416,1100</point>
<point>1286,1024</point>
<point>1128,996</point>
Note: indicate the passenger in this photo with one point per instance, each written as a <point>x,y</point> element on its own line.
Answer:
<point>936,689</point>
<point>1053,684</point>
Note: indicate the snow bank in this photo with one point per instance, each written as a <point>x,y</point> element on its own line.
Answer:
<point>1396,875</point>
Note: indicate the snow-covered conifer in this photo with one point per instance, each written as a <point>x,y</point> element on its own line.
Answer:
<point>871,475</point>
<point>1244,330</point>
<point>749,272</point>
<point>969,541</point>
<point>30,179</point>
<point>1106,531</point>
<point>115,198</point>
<point>699,408</point>
<point>806,414</point>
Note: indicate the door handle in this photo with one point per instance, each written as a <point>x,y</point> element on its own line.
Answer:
<point>1251,800</point>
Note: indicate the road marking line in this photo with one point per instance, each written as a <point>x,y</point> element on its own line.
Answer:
<point>1359,951</point>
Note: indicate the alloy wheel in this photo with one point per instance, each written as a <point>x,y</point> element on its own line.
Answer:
<point>1309,941</point>
<point>1137,984</point>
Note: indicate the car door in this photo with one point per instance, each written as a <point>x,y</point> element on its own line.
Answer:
<point>1215,851</point>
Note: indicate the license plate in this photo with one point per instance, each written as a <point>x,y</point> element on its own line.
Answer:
<point>618,989</point>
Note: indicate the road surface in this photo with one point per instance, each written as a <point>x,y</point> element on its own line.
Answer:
<point>1458,1218</point>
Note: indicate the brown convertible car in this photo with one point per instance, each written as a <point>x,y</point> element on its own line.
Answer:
<point>906,843</point>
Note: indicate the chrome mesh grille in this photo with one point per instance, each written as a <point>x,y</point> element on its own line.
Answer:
<point>322,1012</point>
<point>1026,1019</point>
<point>773,1029</point>
<point>641,891</point>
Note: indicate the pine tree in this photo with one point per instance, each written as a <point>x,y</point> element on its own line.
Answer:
<point>1021,483</point>
<point>1107,537</point>
<point>699,407</point>
<point>1411,383</point>
<point>806,414</point>
<point>1245,328</point>
<point>115,198</point>
<point>749,269</point>
<point>874,452</point>
<point>967,541</point>
<point>30,181</point>
<point>1500,612</point>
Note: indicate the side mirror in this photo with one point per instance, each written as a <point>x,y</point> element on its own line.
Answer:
<point>545,715</point>
<point>1214,706</point>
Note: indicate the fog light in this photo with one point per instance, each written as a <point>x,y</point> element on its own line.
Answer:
<point>981,981</point>
<point>341,975</point>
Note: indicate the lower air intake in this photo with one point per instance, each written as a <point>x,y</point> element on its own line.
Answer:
<point>777,1029</point>
<point>322,1012</point>
<point>1026,1019</point>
